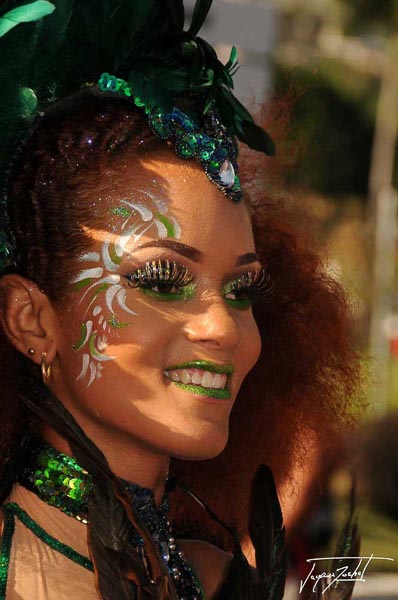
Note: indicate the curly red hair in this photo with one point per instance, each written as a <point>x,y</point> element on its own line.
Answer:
<point>308,384</point>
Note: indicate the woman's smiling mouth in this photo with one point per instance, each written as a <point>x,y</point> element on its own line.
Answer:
<point>201,377</point>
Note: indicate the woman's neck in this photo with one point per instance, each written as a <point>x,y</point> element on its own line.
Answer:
<point>126,458</point>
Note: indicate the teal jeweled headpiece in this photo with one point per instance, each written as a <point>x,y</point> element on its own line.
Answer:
<point>137,48</point>
<point>212,145</point>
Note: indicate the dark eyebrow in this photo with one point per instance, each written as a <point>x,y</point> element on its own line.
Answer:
<point>193,253</point>
<point>188,251</point>
<point>246,259</point>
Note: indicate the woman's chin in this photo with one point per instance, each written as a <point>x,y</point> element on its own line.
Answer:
<point>202,449</point>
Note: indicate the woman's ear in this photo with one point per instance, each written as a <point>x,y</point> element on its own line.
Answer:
<point>27,317</point>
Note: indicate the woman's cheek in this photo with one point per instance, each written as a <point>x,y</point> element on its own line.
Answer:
<point>250,349</point>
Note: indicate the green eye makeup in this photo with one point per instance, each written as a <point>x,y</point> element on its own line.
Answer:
<point>168,280</point>
<point>249,288</point>
<point>163,280</point>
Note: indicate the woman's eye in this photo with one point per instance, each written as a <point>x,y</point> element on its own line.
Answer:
<point>163,288</point>
<point>254,286</point>
<point>238,298</point>
<point>163,280</point>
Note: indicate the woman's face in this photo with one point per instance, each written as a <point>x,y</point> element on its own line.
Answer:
<point>154,341</point>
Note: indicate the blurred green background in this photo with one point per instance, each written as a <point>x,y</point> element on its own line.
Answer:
<point>340,58</point>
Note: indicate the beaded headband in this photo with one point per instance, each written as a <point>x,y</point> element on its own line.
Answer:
<point>212,146</point>
<point>170,73</point>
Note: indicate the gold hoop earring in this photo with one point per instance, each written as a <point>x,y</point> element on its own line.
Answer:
<point>45,369</point>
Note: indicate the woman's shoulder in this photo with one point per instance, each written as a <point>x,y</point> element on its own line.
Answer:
<point>209,562</point>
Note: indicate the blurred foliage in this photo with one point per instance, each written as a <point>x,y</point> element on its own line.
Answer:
<point>393,374</point>
<point>334,116</point>
<point>379,535</point>
<point>333,126</point>
<point>371,16</point>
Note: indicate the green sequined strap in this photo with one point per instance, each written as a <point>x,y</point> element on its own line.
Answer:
<point>5,549</point>
<point>12,510</point>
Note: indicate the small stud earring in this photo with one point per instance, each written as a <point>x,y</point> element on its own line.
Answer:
<point>31,351</point>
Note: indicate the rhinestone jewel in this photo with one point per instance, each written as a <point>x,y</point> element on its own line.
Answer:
<point>227,174</point>
<point>165,551</point>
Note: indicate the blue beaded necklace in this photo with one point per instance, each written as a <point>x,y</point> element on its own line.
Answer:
<point>60,481</point>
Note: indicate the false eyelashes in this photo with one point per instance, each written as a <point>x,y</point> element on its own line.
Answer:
<point>171,280</point>
<point>254,286</point>
<point>161,271</point>
<point>259,279</point>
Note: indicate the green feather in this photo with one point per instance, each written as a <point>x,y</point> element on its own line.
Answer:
<point>141,41</point>
<point>257,139</point>
<point>176,14</point>
<point>24,14</point>
<point>200,11</point>
<point>233,57</point>
<point>235,107</point>
<point>55,27</point>
<point>127,21</point>
<point>28,103</point>
<point>198,65</point>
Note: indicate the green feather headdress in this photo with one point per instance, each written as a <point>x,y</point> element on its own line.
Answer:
<point>51,49</point>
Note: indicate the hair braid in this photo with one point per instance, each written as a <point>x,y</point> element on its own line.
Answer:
<point>64,153</point>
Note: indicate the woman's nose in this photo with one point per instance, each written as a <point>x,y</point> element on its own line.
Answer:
<point>215,326</point>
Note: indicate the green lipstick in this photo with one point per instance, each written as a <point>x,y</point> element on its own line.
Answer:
<point>220,394</point>
<point>203,365</point>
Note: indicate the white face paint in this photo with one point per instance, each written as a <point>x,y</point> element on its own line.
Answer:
<point>101,278</point>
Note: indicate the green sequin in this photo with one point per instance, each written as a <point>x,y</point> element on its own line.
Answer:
<point>121,211</point>
<point>67,488</point>
<point>158,126</point>
<point>114,322</point>
<point>60,481</point>
<point>5,550</point>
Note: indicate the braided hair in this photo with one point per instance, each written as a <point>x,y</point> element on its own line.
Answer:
<point>65,148</point>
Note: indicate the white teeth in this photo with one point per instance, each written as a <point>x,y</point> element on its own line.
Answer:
<point>207,379</point>
<point>198,377</point>
<point>185,376</point>
<point>217,380</point>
